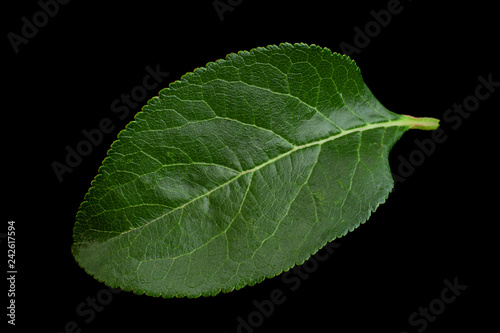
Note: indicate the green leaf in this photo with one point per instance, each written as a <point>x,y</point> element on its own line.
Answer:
<point>237,172</point>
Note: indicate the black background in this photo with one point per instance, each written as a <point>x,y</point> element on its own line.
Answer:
<point>436,225</point>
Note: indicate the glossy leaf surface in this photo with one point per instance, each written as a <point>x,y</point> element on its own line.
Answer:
<point>237,172</point>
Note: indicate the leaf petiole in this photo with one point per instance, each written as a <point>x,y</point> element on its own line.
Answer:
<point>424,123</point>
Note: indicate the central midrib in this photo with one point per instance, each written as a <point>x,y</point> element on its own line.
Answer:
<point>403,121</point>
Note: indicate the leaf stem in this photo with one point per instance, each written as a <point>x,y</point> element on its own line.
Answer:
<point>424,123</point>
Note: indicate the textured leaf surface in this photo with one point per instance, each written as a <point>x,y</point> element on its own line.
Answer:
<point>237,172</point>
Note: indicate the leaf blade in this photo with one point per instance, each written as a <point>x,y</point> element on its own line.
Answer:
<point>229,211</point>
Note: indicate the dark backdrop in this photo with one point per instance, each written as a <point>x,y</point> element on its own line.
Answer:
<point>62,78</point>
